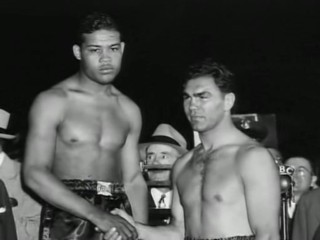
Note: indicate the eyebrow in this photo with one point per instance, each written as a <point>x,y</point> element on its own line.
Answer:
<point>197,94</point>
<point>97,45</point>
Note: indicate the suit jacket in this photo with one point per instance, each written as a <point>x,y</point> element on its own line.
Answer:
<point>307,216</point>
<point>157,216</point>
<point>317,234</point>
<point>7,225</point>
<point>27,212</point>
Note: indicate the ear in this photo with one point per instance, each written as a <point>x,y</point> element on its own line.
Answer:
<point>76,51</point>
<point>314,182</point>
<point>122,45</point>
<point>229,100</point>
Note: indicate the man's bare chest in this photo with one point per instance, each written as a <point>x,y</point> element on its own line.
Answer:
<point>102,124</point>
<point>213,180</point>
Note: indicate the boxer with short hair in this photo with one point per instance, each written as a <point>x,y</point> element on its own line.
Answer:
<point>85,129</point>
<point>227,187</point>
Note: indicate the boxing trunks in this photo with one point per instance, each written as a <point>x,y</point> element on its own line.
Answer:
<point>227,238</point>
<point>60,225</point>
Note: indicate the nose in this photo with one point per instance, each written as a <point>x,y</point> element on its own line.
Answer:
<point>194,104</point>
<point>157,160</point>
<point>104,56</point>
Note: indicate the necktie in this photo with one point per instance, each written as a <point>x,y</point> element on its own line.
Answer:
<point>161,203</point>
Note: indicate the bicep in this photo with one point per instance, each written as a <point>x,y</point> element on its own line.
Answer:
<point>177,210</point>
<point>43,120</point>
<point>129,153</point>
<point>262,190</point>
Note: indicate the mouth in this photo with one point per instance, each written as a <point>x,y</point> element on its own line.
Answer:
<point>195,118</point>
<point>106,69</point>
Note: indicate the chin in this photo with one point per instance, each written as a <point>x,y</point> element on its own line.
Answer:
<point>197,127</point>
<point>106,81</point>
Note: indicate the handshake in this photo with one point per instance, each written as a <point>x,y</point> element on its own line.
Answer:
<point>124,227</point>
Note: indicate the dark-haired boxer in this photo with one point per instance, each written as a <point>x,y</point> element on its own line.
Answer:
<point>84,128</point>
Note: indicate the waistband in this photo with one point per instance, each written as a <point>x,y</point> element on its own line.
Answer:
<point>251,237</point>
<point>97,187</point>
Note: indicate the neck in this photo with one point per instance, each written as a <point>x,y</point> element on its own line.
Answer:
<point>297,196</point>
<point>222,134</point>
<point>91,86</point>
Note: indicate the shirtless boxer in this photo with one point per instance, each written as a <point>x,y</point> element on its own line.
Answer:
<point>228,186</point>
<point>82,144</point>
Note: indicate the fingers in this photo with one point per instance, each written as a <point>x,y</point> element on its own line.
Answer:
<point>115,211</point>
<point>126,229</point>
<point>112,234</point>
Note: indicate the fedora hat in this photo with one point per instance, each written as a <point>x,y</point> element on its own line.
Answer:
<point>167,135</point>
<point>4,121</point>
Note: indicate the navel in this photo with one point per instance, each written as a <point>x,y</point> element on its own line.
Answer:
<point>218,197</point>
<point>74,140</point>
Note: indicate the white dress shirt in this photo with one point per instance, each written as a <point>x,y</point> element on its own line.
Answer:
<point>157,194</point>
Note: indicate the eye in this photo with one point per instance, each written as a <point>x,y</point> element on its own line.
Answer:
<point>204,96</point>
<point>115,48</point>
<point>94,50</point>
<point>185,96</point>
<point>150,157</point>
<point>164,156</point>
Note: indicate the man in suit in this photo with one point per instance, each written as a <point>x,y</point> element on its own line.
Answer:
<point>307,216</point>
<point>159,154</point>
<point>26,210</point>
<point>7,225</point>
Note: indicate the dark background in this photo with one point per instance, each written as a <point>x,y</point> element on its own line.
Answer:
<point>271,46</point>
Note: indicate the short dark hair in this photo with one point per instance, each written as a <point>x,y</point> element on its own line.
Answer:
<point>96,21</point>
<point>222,76</point>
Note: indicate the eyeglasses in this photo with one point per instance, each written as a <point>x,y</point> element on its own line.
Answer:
<point>302,171</point>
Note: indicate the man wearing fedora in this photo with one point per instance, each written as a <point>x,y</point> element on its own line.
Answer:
<point>227,187</point>
<point>159,154</point>
<point>26,210</point>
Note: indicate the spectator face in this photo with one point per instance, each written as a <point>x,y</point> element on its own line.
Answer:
<point>303,175</point>
<point>160,154</point>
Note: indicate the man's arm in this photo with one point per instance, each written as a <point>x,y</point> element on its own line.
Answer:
<point>135,185</point>
<point>173,231</point>
<point>261,181</point>
<point>45,115</point>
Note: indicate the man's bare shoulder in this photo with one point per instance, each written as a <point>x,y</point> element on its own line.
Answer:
<point>183,160</point>
<point>130,108</point>
<point>50,96</point>
<point>254,156</point>
<point>49,102</point>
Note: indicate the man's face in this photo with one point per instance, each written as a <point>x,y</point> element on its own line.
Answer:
<point>100,54</point>
<point>160,154</point>
<point>204,104</point>
<point>302,176</point>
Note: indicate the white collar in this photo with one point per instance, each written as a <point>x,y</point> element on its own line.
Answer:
<point>2,155</point>
<point>156,195</point>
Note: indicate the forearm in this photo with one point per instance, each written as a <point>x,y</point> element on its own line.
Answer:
<point>53,191</point>
<point>137,194</point>
<point>168,232</point>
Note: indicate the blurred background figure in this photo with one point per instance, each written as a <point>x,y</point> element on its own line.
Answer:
<point>161,151</point>
<point>307,217</point>
<point>26,210</point>
<point>7,225</point>
<point>304,179</point>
